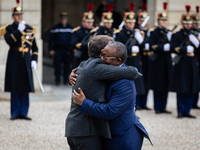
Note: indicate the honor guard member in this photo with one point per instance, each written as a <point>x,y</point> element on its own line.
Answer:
<point>196,30</point>
<point>60,48</point>
<point>160,63</point>
<point>81,36</point>
<point>185,79</point>
<point>19,79</point>
<point>107,20</point>
<point>145,53</point>
<point>132,39</point>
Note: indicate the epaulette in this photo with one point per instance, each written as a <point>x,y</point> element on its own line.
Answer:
<point>3,30</point>
<point>151,29</point>
<point>137,30</point>
<point>117,31</point>
<point>75,29</point>
<point>94,29</point>
<point>143,34</point>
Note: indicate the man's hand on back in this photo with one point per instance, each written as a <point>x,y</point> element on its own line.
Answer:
<point>72,77</point>
<point>78,98</point>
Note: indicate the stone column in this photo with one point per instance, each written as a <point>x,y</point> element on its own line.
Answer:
<point>32,16</point>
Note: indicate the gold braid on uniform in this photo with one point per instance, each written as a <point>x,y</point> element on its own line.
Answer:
<point>35,53</point>
<point>13,37</point>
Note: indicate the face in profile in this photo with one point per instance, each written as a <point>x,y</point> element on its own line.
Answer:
<point>162,23</point>
<point>130,25</point>
<point>108,55</point>
<point>17,18</point>
<point>88,25</point>
<point>108,25</point>
<point>187,26</point>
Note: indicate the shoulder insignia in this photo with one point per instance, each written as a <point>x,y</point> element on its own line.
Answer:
<point>143,34</point>
<point>117,31</point>
<point>78,45</point>
<point>34,30</point>
<point>94,29</point>
<point>3,30</point>
<point>75,29</point>
<point>151,29</point>
<point>137,30</point>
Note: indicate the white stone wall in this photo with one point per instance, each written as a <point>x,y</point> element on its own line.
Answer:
<point>32,16</point>
<point>175,9</point>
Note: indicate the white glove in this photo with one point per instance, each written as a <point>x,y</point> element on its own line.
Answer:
<point>194,40</point>
<point>21,26</point>
<point>169,35</point>
<point>139,37</point>
<point>166,47</point>
<point>147,46</point>
<point>135,49</point>
<point>33,64</point>
<point>190,49</point>
<point>148,34</point>
<point>199,35</point>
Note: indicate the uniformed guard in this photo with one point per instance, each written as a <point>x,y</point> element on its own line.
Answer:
<point>81,36</point>
<point>60,48</point>
<point>132,39</point>
<point>195,29</point>
<point>185,79</point>
<point>145,53</point>
<point>160,64</point>
<point>19,79</point>
<point>107,20</point>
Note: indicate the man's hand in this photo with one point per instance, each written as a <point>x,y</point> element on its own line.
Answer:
<point>78,98</point>
<point>72,77</point>
<point>33,64</point>
<point>52,52</point>
<point>21,26</point>
<point>74,50</point>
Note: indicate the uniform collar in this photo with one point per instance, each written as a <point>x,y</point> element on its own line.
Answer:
<point>15,25</point>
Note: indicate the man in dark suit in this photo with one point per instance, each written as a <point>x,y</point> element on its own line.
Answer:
<point>126,130</point>
<point>60,48</point>
<point>93,73</point>
<point>19,79</point>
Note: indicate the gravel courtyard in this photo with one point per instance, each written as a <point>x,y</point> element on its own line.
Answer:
<point>49,110</point>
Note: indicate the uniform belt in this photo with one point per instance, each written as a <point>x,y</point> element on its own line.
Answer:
<point>190,54</point>
<point>21,49</point>
<point>134,54</point>
<point>146,53</point>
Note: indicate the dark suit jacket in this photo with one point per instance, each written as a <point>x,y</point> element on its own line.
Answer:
<point>93,76</point>
<point>119,110</point>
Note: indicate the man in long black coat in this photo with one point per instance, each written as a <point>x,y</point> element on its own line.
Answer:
<point>19,78</point>
<point>185,79</point>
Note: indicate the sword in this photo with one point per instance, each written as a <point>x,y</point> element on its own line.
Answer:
<point>41,87</point>
<point>145,21</point>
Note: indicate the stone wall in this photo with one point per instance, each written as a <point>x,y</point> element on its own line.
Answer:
<point>32,16</point>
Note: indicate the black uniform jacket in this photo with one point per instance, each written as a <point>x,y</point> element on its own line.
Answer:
<point>160,68</point>
<point>60,37</point>
<point>123,36</point>
<point>19,78</point>
<point>105,31</point>
<point>185,74</point>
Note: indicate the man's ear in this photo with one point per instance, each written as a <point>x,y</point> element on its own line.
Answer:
<point>119,61</point>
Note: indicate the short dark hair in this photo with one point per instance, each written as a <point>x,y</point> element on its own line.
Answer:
<point>121,51</point>
<point>97,43</point>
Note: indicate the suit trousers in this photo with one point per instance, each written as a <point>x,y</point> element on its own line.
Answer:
<point>85,143</point>
<point>160,100</point>
<point>184,102</point>
<point>62,56</point>
<point>19,104</point>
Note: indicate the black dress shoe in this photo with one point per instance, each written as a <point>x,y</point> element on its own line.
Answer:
<point>158,111</point>
<point>189,116</point>
<point>180,115</point>
<point>14,117</point>
<point>138,108</point>
<point>195,107</point>
<point>165,111</point>
<point>25,117</point>
<point>146,108</point>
